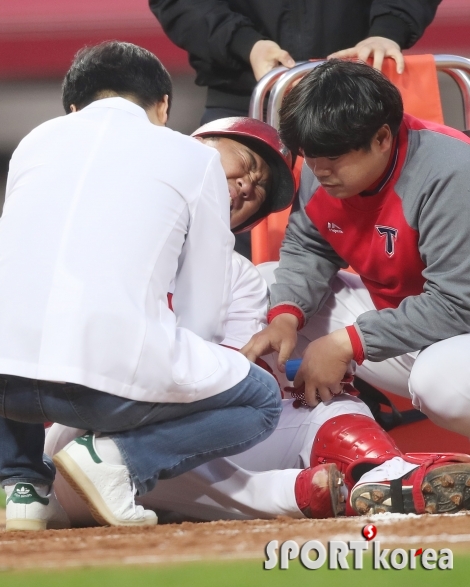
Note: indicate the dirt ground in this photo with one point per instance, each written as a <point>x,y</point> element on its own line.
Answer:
<point>218,540</point>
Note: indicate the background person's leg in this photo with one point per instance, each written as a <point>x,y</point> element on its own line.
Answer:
<point>22,456</point>
<point>22,443</point>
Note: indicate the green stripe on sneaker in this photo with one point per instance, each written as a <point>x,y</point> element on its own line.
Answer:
<point>87,441</point>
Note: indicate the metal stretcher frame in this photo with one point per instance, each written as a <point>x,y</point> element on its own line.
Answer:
<point>280,79</point>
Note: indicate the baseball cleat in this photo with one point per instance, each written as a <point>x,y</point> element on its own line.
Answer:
<point>320,492</point>
<point>30,507</point>
<point>435,489</point>
<point>107,489</point>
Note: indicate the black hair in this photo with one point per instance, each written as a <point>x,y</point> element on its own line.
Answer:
<point>121,68</point>
<point>338,107</point>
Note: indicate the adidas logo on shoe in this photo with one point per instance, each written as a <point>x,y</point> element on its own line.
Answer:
<point>22,491</point>
<point>26,494</point>
<point>26,509</point>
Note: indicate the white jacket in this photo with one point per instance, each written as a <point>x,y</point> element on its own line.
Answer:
<point>103,211</point>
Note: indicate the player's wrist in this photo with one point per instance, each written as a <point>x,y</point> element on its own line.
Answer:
<point>287,310</point>
<point>342,344</point>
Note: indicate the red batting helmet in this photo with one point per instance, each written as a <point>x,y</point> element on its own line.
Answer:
<point>264,140</point>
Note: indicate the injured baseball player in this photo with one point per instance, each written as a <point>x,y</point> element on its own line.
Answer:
<point>295,472</point>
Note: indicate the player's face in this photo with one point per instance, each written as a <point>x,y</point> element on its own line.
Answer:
<point>248,178</point>
<point>353,172</point>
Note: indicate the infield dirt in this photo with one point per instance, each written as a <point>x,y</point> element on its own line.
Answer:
<point>168,543</point>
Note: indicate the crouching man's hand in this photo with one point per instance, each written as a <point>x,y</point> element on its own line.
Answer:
<point>280,336</point>
<point>323,367</point>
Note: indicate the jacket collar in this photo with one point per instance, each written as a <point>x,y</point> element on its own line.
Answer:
<point>119,103</point>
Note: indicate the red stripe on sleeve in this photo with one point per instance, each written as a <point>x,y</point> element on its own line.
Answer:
<point>287,309</point>
<point>356,344</point>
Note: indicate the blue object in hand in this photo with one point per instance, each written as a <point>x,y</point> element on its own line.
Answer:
<point>291,368</point>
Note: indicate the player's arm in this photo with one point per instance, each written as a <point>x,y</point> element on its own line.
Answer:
<point>249,306</point>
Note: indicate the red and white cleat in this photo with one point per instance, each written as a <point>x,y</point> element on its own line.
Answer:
<point>440,485</point>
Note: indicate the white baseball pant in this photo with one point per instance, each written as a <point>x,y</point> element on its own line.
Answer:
<point>258,483</point>
<point>437,379</point>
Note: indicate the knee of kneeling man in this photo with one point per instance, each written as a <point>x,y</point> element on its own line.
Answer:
<point>436,396</point>
<point>427,386</point>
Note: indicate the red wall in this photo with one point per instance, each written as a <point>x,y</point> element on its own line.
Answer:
<point>38,38</point>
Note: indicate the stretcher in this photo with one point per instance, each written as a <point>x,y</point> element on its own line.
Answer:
<point>421,96</point>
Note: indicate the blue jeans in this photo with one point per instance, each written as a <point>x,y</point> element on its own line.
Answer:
<point>156,440</point>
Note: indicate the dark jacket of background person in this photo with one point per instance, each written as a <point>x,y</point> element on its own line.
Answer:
<point>219,35</point>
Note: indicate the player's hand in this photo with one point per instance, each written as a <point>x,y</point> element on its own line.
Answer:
<point>266,55</point>
<point>376,47</point>
<point>280,336</point>
<point>323,367</point>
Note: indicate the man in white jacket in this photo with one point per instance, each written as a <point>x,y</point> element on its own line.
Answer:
<point>99,220</point>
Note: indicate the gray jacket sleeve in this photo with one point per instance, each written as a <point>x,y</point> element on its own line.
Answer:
<point>435,192</point>
<point>307,262</point>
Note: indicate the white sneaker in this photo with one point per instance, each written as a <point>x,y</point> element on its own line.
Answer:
<point>33,508</point>
<point>107,489</point>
